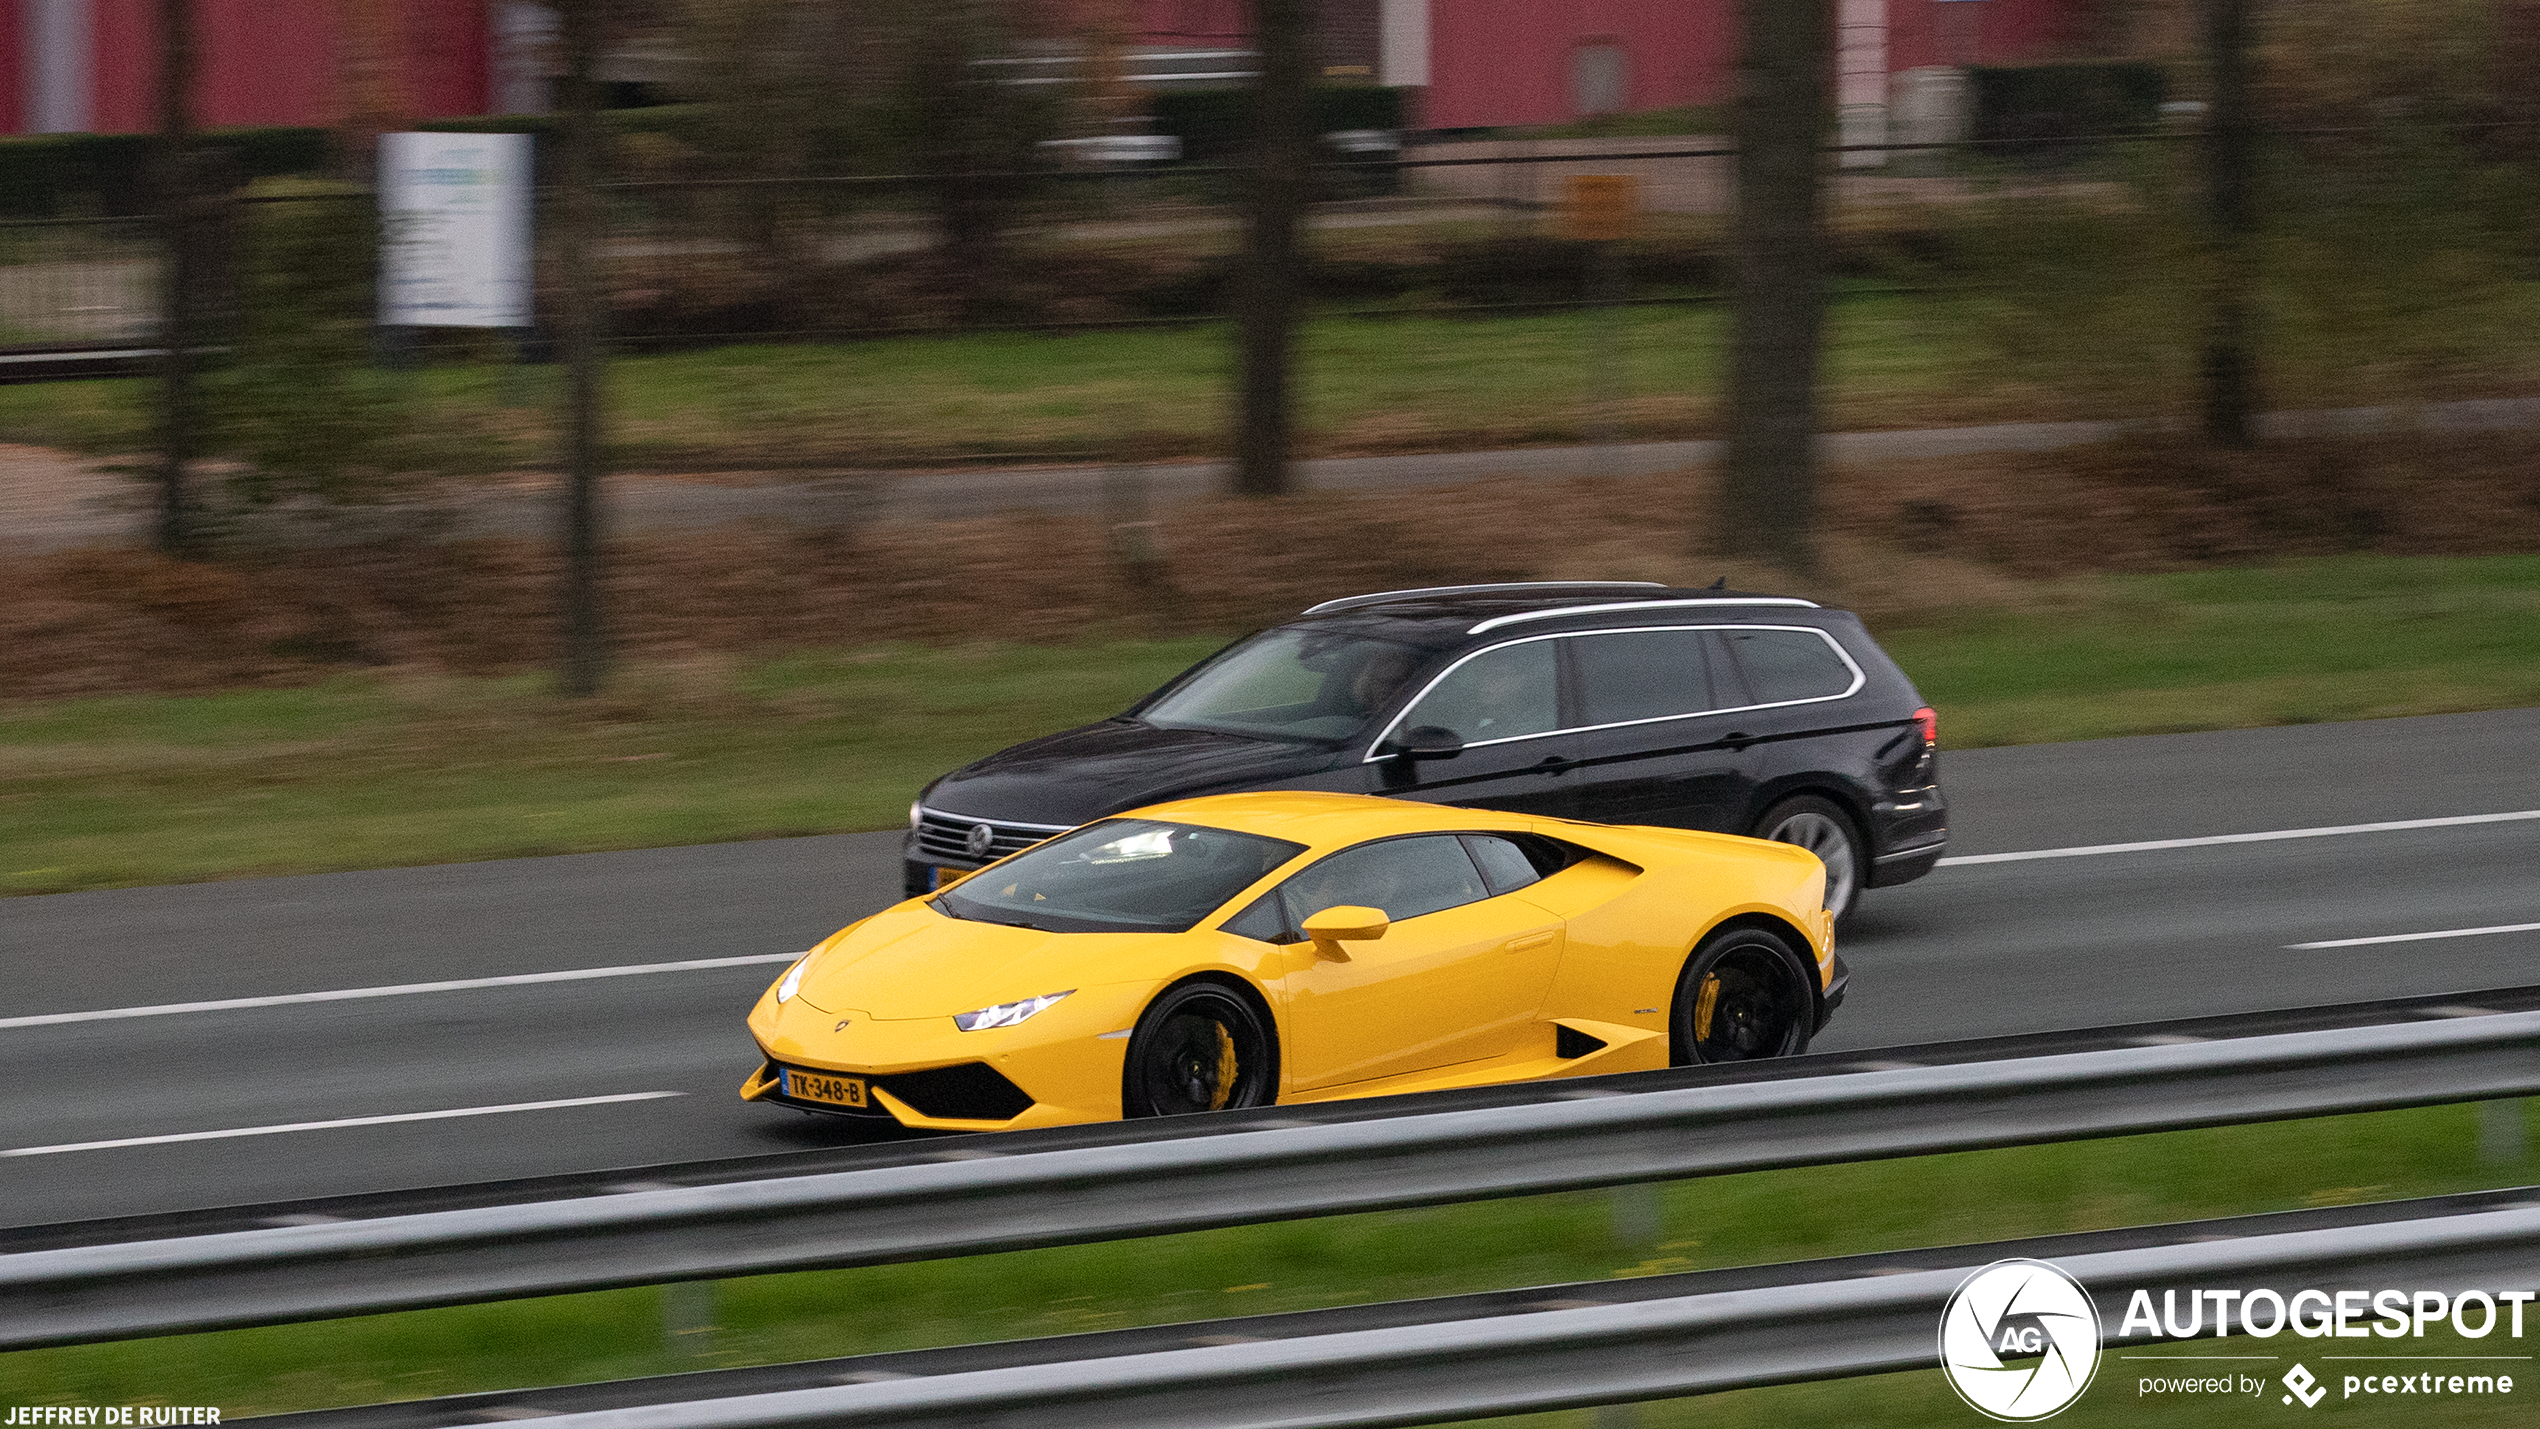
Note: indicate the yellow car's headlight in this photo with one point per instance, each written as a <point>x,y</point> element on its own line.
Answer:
<point>793,982</point>
<point>1005,1014</point>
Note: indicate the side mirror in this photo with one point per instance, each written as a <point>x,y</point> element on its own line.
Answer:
<point>1428,741</point>
<point>1345,924</point>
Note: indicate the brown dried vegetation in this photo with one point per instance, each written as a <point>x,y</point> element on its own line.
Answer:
<point>1905,541</point>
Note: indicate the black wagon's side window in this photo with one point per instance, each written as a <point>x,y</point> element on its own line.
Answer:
<point>1629,675</point>
<point>1505,693</point>
<point>1785,665</point>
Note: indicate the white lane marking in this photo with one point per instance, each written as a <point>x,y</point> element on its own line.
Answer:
<point>2155,845</point>
<point>47,1019</point>
<point>2416,937</point>
<point>332,1125</point>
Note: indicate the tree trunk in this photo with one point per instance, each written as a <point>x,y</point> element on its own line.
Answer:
<point>584,646</point>
<point>2231,163</point>
<point>1768,488</point>
<point>1267,299</point>
<point>177,273</point>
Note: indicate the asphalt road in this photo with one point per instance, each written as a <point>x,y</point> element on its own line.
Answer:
<point>648,1061</point>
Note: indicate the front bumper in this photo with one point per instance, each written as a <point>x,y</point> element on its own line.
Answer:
<point>1059,1068</point>
<point>1836,983</point>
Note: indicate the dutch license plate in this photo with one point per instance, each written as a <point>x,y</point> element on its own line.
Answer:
<point>824,1087</point>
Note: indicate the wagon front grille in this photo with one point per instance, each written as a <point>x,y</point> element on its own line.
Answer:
<point>945,838</point>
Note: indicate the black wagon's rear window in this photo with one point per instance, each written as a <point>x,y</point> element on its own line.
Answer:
<point>1786,665</point>
<point>1119,876</point>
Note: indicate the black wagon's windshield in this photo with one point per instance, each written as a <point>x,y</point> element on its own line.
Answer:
<point>1119,876</point>
<point>1290,684</point>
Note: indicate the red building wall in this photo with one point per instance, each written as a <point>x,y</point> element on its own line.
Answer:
<point>12,68</point>
<point>1983,32</point>
<point>1495,62</point>
<point>1508,61</point>
<point>280,62</point>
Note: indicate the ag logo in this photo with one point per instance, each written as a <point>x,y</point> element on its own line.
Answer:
<point>2019,1340</point>
<point>980,839</point>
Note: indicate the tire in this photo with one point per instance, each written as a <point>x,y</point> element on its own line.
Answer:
<point>1200,1047</point>
<point>1824,829</point>
<point>1744,994</point>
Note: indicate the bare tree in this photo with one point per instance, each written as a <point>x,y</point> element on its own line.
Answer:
<point>1768,491</point>
<point>969,131</point>
<point>1267,296</point>
<point>178,278</point>
<point>585,647</point>
<point>2230,363</point>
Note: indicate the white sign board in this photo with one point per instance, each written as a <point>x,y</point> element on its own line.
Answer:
<point>454,230</point>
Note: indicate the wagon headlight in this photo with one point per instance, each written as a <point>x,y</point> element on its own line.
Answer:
<point>793,982</point>
<point>916,808</point>
<point>1005,1014</point>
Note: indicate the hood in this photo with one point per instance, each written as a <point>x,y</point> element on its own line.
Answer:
<point>913,962</point>
<point>1079,775</point>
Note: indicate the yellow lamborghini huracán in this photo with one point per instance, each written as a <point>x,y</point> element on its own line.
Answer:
<point>1246,949</point>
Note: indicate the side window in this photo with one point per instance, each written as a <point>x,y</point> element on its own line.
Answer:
<point>1640,674</point>
<point>1498,694</point>
<point>1788,665</point>
<point>1503,863</point>
<point>1404,877</point>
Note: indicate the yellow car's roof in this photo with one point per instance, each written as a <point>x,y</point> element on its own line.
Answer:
<point>1318,820</point>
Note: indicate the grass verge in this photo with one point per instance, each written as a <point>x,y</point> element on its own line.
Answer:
<point>381,770</point>
<point>397,770</point>
<point>1756,1218</point>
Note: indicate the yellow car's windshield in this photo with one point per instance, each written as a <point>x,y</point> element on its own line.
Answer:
<point>1119,876</point>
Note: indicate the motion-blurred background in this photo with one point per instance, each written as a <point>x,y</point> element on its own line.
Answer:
<point>903,379</point>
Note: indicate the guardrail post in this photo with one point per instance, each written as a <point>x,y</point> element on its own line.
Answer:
<point>687,1317</point>
<point>2501,1133</point>
<point>1636,1214</point>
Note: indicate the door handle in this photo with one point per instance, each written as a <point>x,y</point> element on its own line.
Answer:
<point>1553,764</point>
<point>1737,739</point>
<point>1531,942</point>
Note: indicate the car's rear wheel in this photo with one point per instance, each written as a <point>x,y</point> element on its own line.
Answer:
<point>1200,1047</point>
<point>1743,995</point>
<point>1824,829</point>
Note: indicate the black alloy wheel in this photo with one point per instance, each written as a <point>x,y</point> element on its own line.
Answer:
<point>1744,995</point>
<point>1824,829</point>
<point>1200,1047</point>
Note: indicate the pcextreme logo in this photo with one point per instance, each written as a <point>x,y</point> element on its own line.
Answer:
<point>2019,1340</point>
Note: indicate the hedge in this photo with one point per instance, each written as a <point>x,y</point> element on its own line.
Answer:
<point>55,175</point>
<point>2089,99</point>
<point>1215,125</point>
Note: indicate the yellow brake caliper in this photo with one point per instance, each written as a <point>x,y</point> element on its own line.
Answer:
<point>1225,1071</point>
<point>1704,999</point>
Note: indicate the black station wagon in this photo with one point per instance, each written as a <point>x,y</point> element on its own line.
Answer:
<point>1619,702</point>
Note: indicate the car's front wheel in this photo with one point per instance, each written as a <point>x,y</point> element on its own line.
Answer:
<point>1743,995</point>
<point>1200,1047</point>
<point>1824,829</point>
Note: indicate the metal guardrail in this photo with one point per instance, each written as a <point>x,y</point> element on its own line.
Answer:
<point>865,1152</point>
<point>918,1212</point>
<point>1561,1358</point>
<point>497,1406</point>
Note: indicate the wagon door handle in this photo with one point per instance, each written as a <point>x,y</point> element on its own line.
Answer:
<point>1737,739</point>
<point>1553,764</point>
